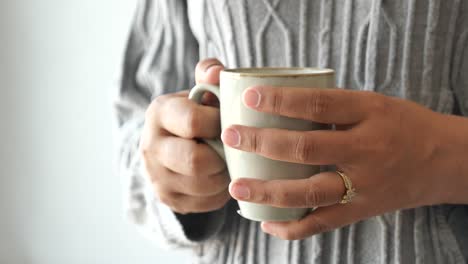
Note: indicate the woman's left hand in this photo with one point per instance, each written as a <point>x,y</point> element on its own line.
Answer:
<point>397,154</point>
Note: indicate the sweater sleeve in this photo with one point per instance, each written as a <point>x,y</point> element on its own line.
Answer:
<point>459,74</point>
<point>458,217</point>
<point>160,58</point>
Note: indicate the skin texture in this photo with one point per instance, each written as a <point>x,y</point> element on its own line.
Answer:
<point>397,153</point>
<point>187,175</point>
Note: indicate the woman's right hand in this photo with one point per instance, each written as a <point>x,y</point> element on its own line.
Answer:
<point>187,175</point>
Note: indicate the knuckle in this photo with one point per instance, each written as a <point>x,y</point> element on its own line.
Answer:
<point>152,177</point>
<point>265,197</point>
<point>319,104</point>
<point>155,105</point>
<point>148,159</point>
<point>277,100</point>
<point>256,142</point>
<point>166,198</point>
<point>180,209</point>
<point>304,148</point>
<point>147,148</point>
<point>177,206</point>
<point>145,152</point>
<point>152,171</point>
<point>149,113</point>
<point>193,122</point>
<point>314,196</point>
<point>275,194</point>
<point>195,161</point>
<point>158,100</point>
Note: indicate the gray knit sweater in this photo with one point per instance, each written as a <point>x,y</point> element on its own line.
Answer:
<point>412,49</point>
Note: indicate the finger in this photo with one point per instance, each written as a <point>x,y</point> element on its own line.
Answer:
<point>207,71</point>
<point>152,122</point>
<point>204,186</point>
<point>185,118</point>
<point>321,220</point>
<point>331,106</point>
<point>183,93</point>
<point>185,204</point>
<point>188,157</point>
<point>210,99</point>
<point>319,147</point>
<point>169,181</point>
<point>320,190</point>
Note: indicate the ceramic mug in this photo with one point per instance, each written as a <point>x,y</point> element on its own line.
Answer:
<point>243,164</point>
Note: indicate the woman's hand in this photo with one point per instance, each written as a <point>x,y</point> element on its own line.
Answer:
<point>397,154</point>
<point>187,176</point>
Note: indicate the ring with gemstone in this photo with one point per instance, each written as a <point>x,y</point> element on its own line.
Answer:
<point>350,192</point>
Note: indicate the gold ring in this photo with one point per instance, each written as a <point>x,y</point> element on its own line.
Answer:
<point>350,191</point>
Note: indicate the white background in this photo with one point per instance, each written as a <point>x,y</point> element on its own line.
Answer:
<point>60,201</point>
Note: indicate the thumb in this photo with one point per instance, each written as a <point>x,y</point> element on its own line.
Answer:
<point>207,71</point>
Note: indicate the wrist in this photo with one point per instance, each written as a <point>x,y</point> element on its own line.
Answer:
<point>453,158</point>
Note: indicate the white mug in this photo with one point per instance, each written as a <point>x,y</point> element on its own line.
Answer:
<point>242,164</point>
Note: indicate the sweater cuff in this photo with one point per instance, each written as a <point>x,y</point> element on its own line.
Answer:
<point>199,227</point>
<point>182,230</point>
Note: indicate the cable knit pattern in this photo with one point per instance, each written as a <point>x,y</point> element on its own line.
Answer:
<point>415,49</point>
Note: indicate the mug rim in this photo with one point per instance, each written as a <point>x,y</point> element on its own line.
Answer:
<point>263,71</point>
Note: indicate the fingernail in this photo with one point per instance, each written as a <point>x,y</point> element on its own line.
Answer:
<point>252,98</point>
<point>212,66</point>
<point>231,137</point>
<point>239,191</point>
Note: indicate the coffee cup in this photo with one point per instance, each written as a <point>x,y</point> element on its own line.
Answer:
<point>243,164</point>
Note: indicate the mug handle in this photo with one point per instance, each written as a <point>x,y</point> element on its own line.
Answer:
<point>196,95</point>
